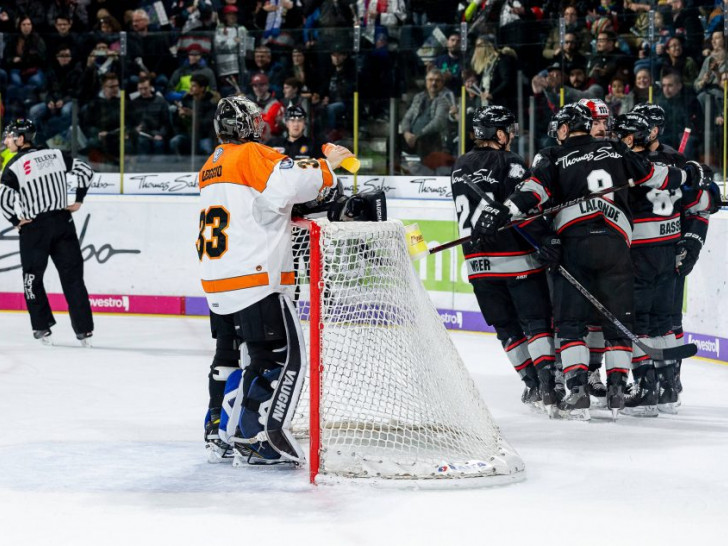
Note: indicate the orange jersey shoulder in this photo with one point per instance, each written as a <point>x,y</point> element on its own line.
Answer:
<point>248,164</point>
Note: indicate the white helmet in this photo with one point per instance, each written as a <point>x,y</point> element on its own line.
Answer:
<point>598,108</point>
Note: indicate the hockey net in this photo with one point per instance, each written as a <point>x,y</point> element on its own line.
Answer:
<point>387,395</point>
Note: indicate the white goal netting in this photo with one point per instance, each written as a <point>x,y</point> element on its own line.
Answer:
<point>396,399</point>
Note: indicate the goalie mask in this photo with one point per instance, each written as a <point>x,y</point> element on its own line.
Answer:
<point>20,127</point>
<point>633,124</point>
<point>237,119</point>
<point>577,117</point>
<point>488,119</point>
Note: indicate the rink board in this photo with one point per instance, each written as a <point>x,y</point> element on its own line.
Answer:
<point>140,258</point>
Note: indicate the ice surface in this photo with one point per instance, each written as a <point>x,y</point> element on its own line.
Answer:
<point>103,446</point>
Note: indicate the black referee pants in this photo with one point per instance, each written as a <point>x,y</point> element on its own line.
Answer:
<point>53,234</point>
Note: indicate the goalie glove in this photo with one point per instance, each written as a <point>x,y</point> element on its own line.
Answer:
<point>362,207</point>
<point>686,255</point>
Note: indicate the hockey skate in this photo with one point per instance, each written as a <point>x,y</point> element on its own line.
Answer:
<point>85,339</point>
<point>45,336</point>
<point>575,407</point>
<point>641,401</point>
<point>668,399</point>
<point>550,394</point>
<point>597,390</point>
<point>216,449</point>
<point>531,396</point>
<point>615,395</point>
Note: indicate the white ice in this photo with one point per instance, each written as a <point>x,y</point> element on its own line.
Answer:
<point>103,446</point>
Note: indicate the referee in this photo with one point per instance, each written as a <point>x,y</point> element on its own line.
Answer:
<point>33,197</point>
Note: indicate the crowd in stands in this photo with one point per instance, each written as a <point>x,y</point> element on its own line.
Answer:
<point>69,60</point>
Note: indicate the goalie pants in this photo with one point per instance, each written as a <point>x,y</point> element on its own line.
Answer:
<point>261,327</point>
<point>53,235</point>
<point>601,263</point>
<point>520,311</point>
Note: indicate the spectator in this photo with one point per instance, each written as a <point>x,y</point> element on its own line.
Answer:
<point>517,27</point>
<point>228,37</point>
<point>292,95</point>
<point>426,122</point>
<point>24,57</point>
<point>181,81</point>
<point>548,87</point>
<point>675,60</point>
<point>263,59</point>
<point>620,99</point>
<point>574,27</point>
<point>333,15</point>
<point>53,116</point>
<point>150,121</point>
<point>642,85</point>
<point>149,51</point>
<point>7,16</point>
<point>497,71</point>
<point>681,110</point>
<point>72,11</point>
<point>189,15</point>
<point>102,121</point>
<point>336,92</point>
<point>100,61</point>
<point>196,110</point>
<point>303,71</point>
<point>97,9</point>
<point>570,55</point>
<point>579,82</point>
<point>686,23</point>
<point>108,29</point>
<point>608,61</point>
<point>294,143</point>
<point>450,63</point>
<point>270,107</point>
<point>708,83</point>
<point>63,35</point>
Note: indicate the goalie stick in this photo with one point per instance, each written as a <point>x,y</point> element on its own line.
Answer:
<point>655,353</point>
<point>516,221</point>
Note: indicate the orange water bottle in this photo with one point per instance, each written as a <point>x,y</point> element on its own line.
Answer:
<point>351,164</point>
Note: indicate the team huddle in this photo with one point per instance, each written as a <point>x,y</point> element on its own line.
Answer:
<point>630,216</point>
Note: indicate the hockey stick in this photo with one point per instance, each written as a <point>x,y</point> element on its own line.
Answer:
<point>516,221</point>
<point>655,353</point>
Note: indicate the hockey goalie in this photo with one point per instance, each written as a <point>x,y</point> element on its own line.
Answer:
<point>247,193</point>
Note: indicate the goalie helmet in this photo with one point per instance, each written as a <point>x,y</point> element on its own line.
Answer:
<point>654,114</point>
<point>575,116</point>
<point>634,124</point>
<point>488,119</point>
<point>237,119</point>
<point>20,127</point>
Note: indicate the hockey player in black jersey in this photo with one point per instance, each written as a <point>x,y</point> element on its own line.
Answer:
<point>295,144</point>
<point>507,276</point>
<point>692,209</point>
<point>595,233</point>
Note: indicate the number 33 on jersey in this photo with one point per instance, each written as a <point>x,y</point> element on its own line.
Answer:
<point>244,241</point>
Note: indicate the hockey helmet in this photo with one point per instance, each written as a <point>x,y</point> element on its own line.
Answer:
<point>295,112</point>
<point>488,119</point>
<point>634,124</point>
<point>20,127</point>
<point>237,119</point>
<point>577,117</point>
<point>655,115</point>
<point>597,107</point>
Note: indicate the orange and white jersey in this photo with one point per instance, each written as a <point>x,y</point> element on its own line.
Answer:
<point>247,192</point>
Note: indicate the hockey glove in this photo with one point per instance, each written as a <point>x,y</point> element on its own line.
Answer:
<point>550,252</point>
<point>686,254</point>
<point>495,215</point>
<point>698,176</point>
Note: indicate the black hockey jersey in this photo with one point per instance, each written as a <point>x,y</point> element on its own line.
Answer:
<point>497,173</point>
<point>581,166</point>
<point>301,148</point>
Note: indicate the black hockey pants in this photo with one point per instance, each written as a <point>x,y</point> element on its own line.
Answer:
<point>53,234</point>
<point>654,289</point>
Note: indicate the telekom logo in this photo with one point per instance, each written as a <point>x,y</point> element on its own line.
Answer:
<point>26,167</point>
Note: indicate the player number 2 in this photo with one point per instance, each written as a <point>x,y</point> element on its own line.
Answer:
<point>462,209</point>
<point>599,180</point>
<point>216,218</point>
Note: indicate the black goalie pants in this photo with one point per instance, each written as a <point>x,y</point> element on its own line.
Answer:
<point>53,234</point>
<point>601,263</point>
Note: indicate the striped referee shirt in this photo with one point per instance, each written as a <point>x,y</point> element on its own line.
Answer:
<point>34,182</point>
